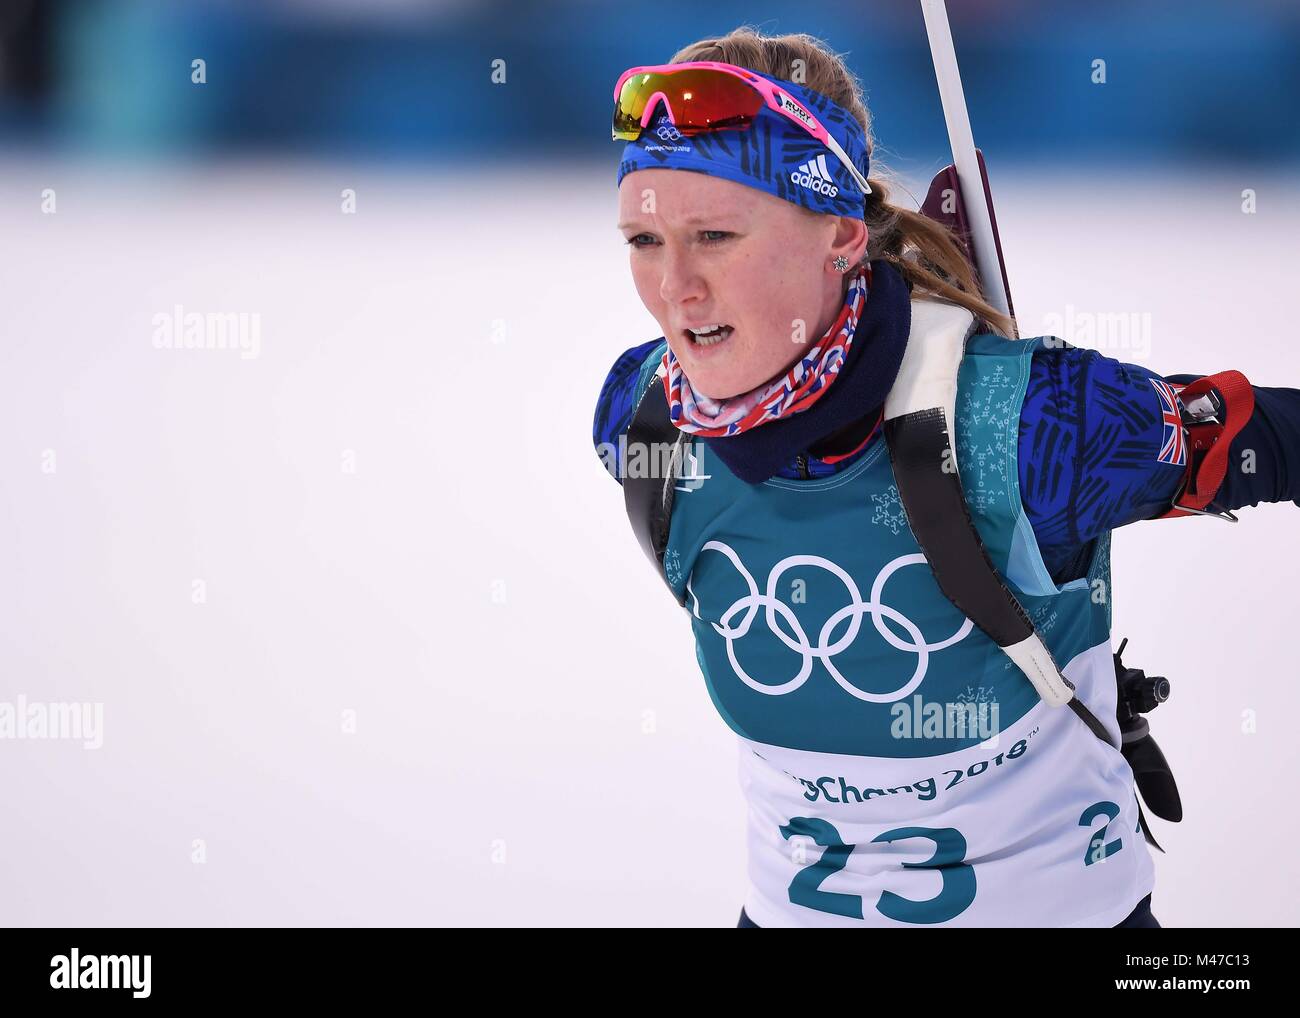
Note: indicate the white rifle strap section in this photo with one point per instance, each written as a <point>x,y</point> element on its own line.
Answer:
<point>927,376</point>
<point>1034,659</point>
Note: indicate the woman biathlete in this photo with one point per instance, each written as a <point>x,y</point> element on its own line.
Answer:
<point>899,768</point>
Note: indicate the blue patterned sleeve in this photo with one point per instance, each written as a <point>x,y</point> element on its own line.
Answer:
<point>1096,452</point>
<point>617,400</point>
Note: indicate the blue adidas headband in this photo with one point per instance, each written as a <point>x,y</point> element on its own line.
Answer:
<point>772,154</point>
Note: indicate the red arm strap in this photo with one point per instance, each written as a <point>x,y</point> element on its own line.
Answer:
<point>1208,441</point>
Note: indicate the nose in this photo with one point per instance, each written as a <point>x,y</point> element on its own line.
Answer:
<point>681,280</point>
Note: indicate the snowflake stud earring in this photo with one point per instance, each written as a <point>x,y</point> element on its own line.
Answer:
<point>841,263</point>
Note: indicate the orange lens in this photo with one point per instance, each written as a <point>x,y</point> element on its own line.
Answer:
<point>699,99</point>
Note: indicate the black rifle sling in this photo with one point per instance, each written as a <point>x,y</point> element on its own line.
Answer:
<point>655,442</point>
<point>930,491</point>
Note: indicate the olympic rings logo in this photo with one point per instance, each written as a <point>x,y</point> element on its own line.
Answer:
<point>824,651</point>
<point>667,132</point>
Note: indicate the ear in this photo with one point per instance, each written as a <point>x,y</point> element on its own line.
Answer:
<point>850,239</point>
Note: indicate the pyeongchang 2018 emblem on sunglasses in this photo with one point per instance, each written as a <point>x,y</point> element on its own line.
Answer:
<point>672,138</point>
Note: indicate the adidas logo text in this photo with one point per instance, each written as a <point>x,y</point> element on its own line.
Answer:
<point>815,174</point>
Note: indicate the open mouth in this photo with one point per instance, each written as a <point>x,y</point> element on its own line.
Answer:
<point>709,336</point>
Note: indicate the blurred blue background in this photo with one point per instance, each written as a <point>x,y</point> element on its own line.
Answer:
<point>1194,81</point>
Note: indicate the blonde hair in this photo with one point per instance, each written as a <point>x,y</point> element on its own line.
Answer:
<point>925,252</point>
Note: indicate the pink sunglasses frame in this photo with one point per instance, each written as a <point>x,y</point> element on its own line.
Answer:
<point>775,97</point>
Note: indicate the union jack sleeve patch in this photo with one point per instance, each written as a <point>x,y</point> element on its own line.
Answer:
<point>1173,447</point>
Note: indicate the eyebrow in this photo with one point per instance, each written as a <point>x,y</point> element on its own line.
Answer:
<point>708,217</point>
